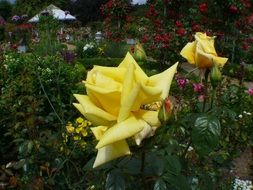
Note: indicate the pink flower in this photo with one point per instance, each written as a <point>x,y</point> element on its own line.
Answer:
<point>201,98</point>
<point>250,91</point>
<point>198,87</point>
<point>15,18</point>
<point>181,82</point>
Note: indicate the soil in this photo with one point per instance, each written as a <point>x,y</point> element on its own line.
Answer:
<point>243,165</point>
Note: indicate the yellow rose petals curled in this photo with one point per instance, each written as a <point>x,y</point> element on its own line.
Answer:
<point>114,101</point>
<point>202,52</point>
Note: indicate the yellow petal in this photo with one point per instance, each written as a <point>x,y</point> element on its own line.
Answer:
<point>220,61</point>
<point>188,52</point>
<point>205,60</point>
<point>115,73</point>
<point>151,117</point>
<point>206,43</point>
<point>104,91</point>
<point>111,152</point>
<point>99,131</point>
<point>129,104</point>
<point>120,131</point>
<point>163,80</point>
<point>129,93</point>
<point>146,132</point>
<point>94,114</point>
<point>139,73</point>
<point>104,99</point>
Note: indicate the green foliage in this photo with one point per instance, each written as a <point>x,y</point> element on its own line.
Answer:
<point>115,180</point>
<point>47,28</point>
<point>2,33</point>
<point>90,62</point>
<point>33,7</point>
<point>5,9</point>
<point>121,47</point>
<point>205,134</point>
<point>36,98</point>
<point>87,11</point>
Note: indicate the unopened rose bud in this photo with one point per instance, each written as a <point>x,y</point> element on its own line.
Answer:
<point>215,75</point>
<point>165,111</point>
<point>139,53</point>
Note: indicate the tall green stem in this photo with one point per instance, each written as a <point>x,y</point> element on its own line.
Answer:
<point>143,167</point>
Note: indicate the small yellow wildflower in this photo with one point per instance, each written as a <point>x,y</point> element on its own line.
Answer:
<point>77,138</point>
<point>82,125</point>
<point>65,137</point>
<point>83,144</point>
<point>79,120</point>
<point>84,133</point>
<point>70,128</point>
<point>78,129</point>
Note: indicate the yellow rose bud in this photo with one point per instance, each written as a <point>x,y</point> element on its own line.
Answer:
<point>165,111</point>
<point>201,52</point>
<point>215,75</point>
<point>139,53</point>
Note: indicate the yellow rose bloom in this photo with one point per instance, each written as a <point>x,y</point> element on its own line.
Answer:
<point>115,96</point>
<point>201,52</point>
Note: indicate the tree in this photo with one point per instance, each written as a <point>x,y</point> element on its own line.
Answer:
<point>5,9</point>
<point>88,10</point>
<point>32,7</point>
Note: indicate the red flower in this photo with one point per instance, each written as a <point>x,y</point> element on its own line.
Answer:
<point>250,19</point>
<point>179,23</point>
<point>158,38</point>
<point>14,46</point>
<point>245,46</point>
<point>109,4</point>
<point>195,28</point>
<point>181,31</point>
<point>247,4</point>
<point>165,46</point>
<point>233,9</point>
<point>203,7</point>
<point>144,38</point>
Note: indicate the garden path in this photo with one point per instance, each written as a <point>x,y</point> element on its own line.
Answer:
<point>189,67</point>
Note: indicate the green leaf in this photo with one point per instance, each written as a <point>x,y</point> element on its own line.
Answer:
<point>160,185</point>
<point>115,180</point>
<point>178,182</point>
<point>173,165</point>
<point>205,134</point>
<point>154,164</point>
<point>131,165</point>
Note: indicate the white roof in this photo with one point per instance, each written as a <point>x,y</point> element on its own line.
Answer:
<point>56,12</point>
